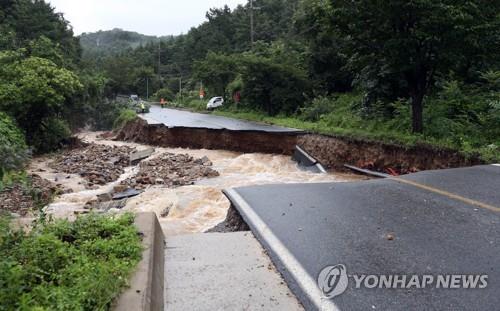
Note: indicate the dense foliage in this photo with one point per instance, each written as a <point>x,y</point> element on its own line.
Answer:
<point>400,48</point>
<point>125,116</point>
<point>33,90</point>
<point>427,70</point>
<point>13,149</point>
<point>35,26</point>
<point>101,43</point>
<point>62,265</point>
<point>44,86</point>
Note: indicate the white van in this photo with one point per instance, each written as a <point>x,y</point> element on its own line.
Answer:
<point>215,102</point>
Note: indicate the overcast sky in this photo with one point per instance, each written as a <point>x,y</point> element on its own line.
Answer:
<point>150,17</point>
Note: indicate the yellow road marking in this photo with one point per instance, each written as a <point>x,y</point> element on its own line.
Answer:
<point>448,194</point>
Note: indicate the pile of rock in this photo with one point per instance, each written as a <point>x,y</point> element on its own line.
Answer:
<point>171,170</point>
<point>22,199</point>
<point>98,164</point>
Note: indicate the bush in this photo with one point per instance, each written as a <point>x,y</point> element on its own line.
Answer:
<point>104,114</point>
<point>235,86</point>
<point>67,266</point>
<point>13,150</point>
<point>125,116</point>
<point>273,88</point>
<point>164,93</point>
<point>51,135</point>
<point>318,108</point>
<point>337,110</point>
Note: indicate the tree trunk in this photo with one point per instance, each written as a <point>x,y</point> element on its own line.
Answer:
<point>417,109</point>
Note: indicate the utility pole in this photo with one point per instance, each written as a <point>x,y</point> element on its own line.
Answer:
<point>147,88</point>
<point>159,62</point>
<point>251,23</point>
<point>180,88</point>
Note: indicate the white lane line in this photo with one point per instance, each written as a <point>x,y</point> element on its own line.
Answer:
<point>292,265</point>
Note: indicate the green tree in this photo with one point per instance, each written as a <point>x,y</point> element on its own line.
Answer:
<point>272,87</point>
<point>164,93</point>
<point>216,71</point>
<point>34,89</point>
<point>411,41</point>
<point>13,149</point>
<point>25,21</point>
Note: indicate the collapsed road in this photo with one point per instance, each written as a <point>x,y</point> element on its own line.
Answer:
<point>180,187</point>
<point>316,220</point>
<point>379,227</point>
<point>179,118</point>
<point>177,128</point>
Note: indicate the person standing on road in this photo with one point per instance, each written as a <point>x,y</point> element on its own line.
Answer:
<point>143,107</point>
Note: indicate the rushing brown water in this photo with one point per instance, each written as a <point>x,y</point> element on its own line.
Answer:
<point>193,208</point>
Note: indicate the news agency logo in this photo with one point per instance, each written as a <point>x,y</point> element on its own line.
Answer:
<point>334,280</point>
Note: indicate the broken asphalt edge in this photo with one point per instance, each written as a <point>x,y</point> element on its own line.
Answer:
<point>147,283</point>
<point>286,130</point>
<point>366,171</point>
<point>302,284</point>
<point>305,159</point>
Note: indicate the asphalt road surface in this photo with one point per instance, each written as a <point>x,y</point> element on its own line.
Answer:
<point>429,223</point>
<point>181,118</point>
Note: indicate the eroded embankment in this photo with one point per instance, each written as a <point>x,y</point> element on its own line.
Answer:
<point>197,138</point>
<point>333,152</point>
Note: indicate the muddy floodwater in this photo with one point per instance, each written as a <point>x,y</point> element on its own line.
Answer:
<point>193,208</point>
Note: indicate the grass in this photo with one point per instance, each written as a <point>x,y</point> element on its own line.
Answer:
<point>14,177</point>
<point>322,127</point>
<point>62,265</point>
<point>125,116</point>
<point>373,131</point>
<point>339,115</point>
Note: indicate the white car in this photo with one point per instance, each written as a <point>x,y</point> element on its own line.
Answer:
<point>215,102</point>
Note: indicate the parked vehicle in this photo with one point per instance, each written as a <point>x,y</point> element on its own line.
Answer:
<point>215,102</point>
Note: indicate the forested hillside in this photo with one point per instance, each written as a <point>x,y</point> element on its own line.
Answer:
<point>45,90</point>
<point>112,42</point>
<point>424,71</point>
<point>38,59</point>
<point>405,72</point>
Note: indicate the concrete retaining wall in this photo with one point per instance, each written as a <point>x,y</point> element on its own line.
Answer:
<point>146,285</point>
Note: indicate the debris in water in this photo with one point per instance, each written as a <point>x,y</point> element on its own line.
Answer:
<point>105,206</point>
<point>138,156</point>
<point>126,194</point>
<point>21,199</point>
<point>98,164</point>
<point>171,170</point>
<point>166,210</point>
